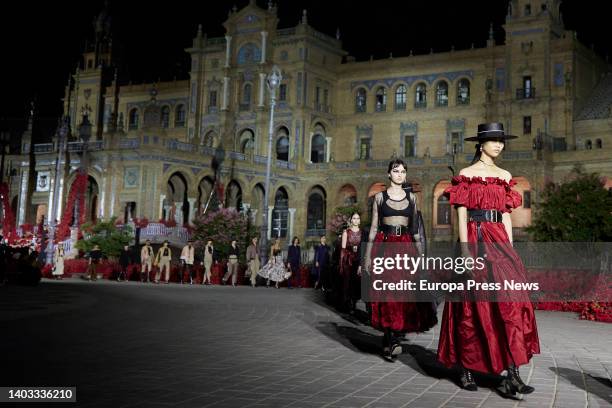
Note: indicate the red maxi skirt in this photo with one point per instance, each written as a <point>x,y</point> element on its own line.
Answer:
<point>405,317</point>
<point>489,336</point>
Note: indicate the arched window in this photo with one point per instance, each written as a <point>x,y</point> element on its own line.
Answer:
<point>420,96</point>
<point>209,139</point>
<point>317,149</point>
<point>443,210</point>
<point>133,119</point>
<point>280,214</point>
<point>400,98</point>
<point>179,118</point>
<point>381,99</point>
<point>165,117</point>
<point>598,144</point>
<point>463,92</point>
<point>442,94</point>
<point>588,144</point>
<point>282,145</point>
<point>247,141</point>
<point>360,100</point>
<point>315,218</point>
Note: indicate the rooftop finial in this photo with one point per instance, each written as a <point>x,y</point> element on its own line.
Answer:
<point>304,17</point>
<point>199,30</point>
<point>270,5</point>
<point>491,31</point>
<point>338,33</point>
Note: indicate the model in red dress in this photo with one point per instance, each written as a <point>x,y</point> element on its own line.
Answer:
<point>392,232</point>
<point>350,265</point>
<point>485,336</point>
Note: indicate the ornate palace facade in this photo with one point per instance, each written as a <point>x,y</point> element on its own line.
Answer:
<point>337,123</point>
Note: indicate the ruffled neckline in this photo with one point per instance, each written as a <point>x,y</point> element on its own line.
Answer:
<point>486,180</point>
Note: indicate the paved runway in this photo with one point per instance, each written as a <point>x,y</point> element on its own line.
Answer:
<point>144,345</point>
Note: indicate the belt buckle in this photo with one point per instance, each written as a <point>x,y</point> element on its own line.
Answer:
<point>491,216</point>
<point>397,230</point>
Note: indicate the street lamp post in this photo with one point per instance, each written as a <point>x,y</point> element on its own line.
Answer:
<point>61,141</point>
<point>273,81</point>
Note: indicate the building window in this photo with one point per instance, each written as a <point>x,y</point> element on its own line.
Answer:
<point>247,91</point>
<point>442,94</point>
<point>381,99</point>
<point>315,215</point>
<point>409,146</point>
<point>280,214</point>
<point>526,125</point>
<point>318,98</point>
<point>527,91</point>
<point>247,141</point>
<point>443,210</point>
<point>165,117</point>
<point>598,144</point>
<point>326,100</point>
<point>364,148</point>
<point>588,145</point>
<point>360,100</point>
<point>317,150</point>
<point>133,119</point>
<point>282,93</point>
<point>456,145</point>
<point>400,98</point>
<point>282,145</point>
<point>527,9</point>
<point>179,118</point>
<point>212,99</point>
<point>420,97</point>
<point>90,63</point>
<point>209,139</point>
<point>463,92</point>
<point>527,199</point>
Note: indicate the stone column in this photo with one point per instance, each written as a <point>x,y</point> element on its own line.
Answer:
<point>225,102</point>
<point>291,219</point>
<point>23,197</point>
<point>262,87</point>
<point>178,213</point>
<point>327,148</point>
<point>162,207</point>
<point>192,210</point>
<point>264,37</point>
<point>228,41</point>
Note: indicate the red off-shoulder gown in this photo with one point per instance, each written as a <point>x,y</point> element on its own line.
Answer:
<point>489,336</point>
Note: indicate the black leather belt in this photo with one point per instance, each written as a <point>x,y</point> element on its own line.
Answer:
<point>394,229</point>
<point>484,216</point>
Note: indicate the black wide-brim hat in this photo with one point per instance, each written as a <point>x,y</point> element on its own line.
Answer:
<point>490,131</point>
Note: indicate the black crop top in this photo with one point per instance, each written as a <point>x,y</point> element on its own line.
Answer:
<point>388,211</point>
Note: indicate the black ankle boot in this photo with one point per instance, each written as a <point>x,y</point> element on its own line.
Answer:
<point>513,384</point>
<point>467,380</point>
<point>517,382</point>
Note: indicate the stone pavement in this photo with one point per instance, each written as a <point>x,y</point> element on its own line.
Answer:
<point>144,345</point>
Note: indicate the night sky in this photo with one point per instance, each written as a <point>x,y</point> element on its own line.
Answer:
<point>42,42</point>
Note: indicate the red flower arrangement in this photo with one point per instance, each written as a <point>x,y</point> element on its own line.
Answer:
<point>141,222</point>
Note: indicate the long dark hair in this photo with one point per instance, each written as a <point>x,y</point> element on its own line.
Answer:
<point>477,154</point>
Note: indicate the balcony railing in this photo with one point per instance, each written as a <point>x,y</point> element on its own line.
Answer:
<point>213,109</point>
<point>44,148</point>
<point>381,107</point>
<point>525,93</point>
<point>360,108</point>
<point>400,106</point>
<point>420,104</point>
<point>463,101</point>
<point>244,107</point>
<point>315,232</point>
